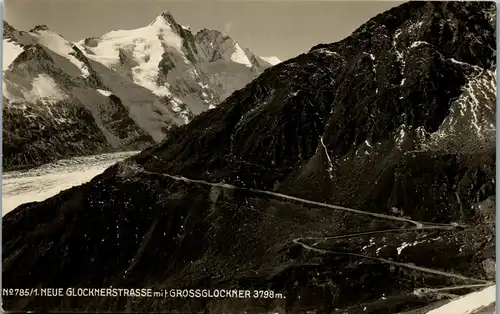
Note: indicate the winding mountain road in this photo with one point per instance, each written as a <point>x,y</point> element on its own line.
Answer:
<point>419,225</point>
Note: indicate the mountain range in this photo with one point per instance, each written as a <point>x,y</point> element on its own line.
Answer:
<point>356,178</point>
<point>123,90</point>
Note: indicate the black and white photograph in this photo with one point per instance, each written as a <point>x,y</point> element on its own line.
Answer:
<point>319,157</point>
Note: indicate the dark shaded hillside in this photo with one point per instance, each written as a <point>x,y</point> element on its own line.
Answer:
<point>397,119</point>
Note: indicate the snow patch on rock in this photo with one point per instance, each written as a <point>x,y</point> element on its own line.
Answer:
<point>239,56</point>
<point>46,89</point>
<point>271,60</point>
<point>104,92</point>
<point>10,52</point>
<point>472,115</point>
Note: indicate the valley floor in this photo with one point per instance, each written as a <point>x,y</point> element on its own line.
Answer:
<point>40,183</point>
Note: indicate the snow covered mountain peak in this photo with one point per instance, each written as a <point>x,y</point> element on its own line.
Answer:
<point>219,46</point>
<point>159,76</point>
<point>142,45</point>
<point>168,17</point>
<point>165,18</point>
<point>194,72</point>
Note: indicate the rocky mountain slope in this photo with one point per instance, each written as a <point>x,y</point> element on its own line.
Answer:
<point>121,91</point>
<point>356,178</point>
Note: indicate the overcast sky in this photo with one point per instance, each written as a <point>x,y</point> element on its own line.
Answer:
<point>268,28</point>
